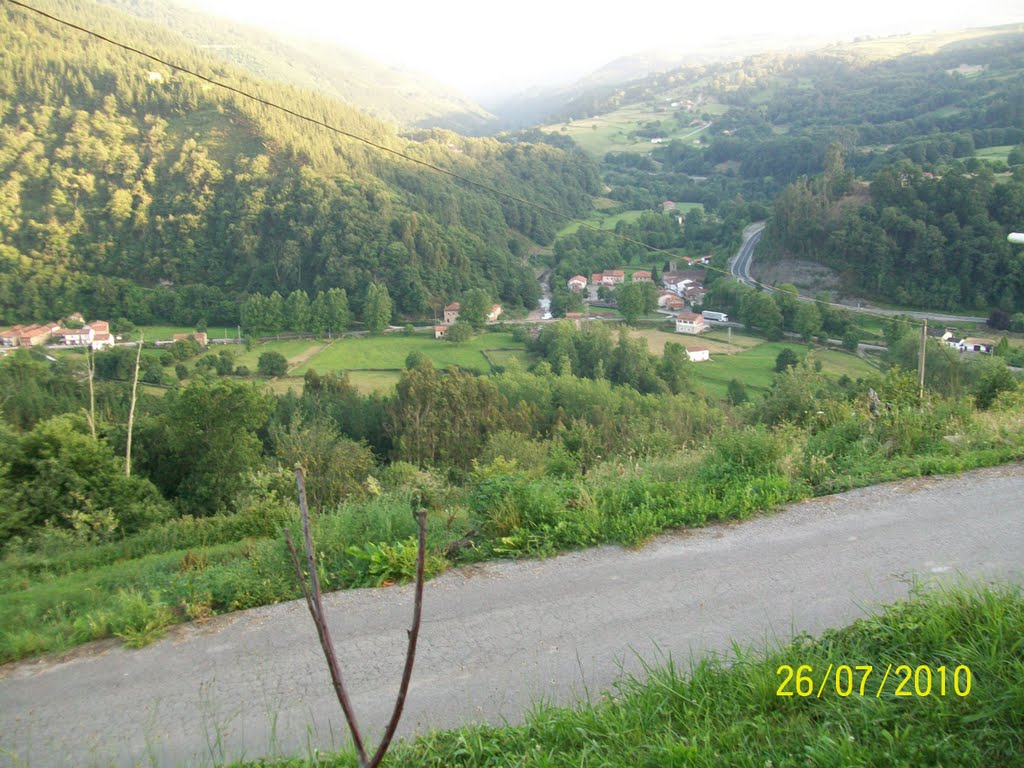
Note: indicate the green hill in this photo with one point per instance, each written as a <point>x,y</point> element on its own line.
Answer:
<point>406,98</point>
<point>131,188</point>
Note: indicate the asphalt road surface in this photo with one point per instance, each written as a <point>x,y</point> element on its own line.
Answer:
<point>499,636</point>
<point>739,265</point>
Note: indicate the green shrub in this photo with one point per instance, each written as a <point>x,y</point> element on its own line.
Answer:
<point>138,619</point>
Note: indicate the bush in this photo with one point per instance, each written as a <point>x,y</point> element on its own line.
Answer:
<point>272,364</point>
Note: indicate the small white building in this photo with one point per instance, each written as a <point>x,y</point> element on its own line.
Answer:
<point>494,314</point>
<point>577,283</point>
<point>440,331</point>
<point>976,345</point>
<point>698,354</point>
<point>688,322</point>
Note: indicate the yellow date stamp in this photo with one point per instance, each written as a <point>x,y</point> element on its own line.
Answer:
<point>844,680</point>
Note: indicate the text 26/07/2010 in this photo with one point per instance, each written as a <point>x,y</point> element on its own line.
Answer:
<point>846,680</point>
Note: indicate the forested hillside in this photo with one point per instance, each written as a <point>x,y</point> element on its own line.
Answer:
<point>403,97</point>
<point>128,188</point>
<point>915,238</point>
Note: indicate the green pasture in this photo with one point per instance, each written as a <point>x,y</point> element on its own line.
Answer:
<point>166,332</point>
<point>390,352</point>
<point>994,153</point>
<point>755,367</point>
<point>608,221</point>
<point>610,132</point>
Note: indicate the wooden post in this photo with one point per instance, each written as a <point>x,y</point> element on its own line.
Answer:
<point>921,360</point>
<point>90,362</point>
<point>131,413</point>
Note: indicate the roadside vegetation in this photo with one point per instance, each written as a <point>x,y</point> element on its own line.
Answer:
<point>599,441</point>
<point>725,710</point>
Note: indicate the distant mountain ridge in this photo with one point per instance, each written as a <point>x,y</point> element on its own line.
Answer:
<point>406,98</point>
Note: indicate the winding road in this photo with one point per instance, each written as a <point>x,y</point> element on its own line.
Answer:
<point>739,265</point>
<point>501,635</point>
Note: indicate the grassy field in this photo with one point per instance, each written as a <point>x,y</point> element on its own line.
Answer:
<point>390,351</point>
<point>608,221</point>
<point>994,153</point>
<point>610,132</point>
<point>166,332</point>
<point>374,364</point>
<point>748,358</point>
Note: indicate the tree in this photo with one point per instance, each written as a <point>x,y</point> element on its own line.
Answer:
<point>758,310</point>
<point>785,359</point>
<point>630,301</point>
<point>807,320</point>
<point>202,448</point>
<point>58,474</point>
<point>673,368</point>
<point>336,312</point>
<point>378,308</point>
<point>475,307</point>
<point>737,392</point>
<point>297,311</point>
<point>272,364</point>
<point>459,332</point>
<point>335,466</point>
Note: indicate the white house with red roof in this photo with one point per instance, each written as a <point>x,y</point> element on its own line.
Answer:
<point>577,283</point>
<point>688,322</point>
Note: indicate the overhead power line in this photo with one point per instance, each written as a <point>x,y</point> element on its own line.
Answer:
<point>381,147</point>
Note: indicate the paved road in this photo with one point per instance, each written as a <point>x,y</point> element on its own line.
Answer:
<point>739,265</point>
<point>500,635</point>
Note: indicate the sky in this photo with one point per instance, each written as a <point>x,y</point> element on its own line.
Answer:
<point>487,49</point>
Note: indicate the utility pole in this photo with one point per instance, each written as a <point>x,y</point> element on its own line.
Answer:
<point>131,413</point>
<point>920,364</point>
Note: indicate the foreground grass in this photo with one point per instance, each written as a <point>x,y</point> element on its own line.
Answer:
<point>726,711</point>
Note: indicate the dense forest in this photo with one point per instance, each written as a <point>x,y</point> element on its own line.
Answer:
<point>911,236</point>
<point>128,189</point>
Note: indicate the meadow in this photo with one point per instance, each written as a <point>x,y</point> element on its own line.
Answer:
<point>610,132</point>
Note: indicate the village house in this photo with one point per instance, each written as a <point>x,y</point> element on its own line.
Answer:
<point>671,301</point>
<point>74,337</point>
<point>440,331</point>
<point>667,206</point>
<point>976,345</point>
<point>26,335</point>
<point>494,314</point>
<point>641,276</point>
<point>577,283</point>
<point>698,354</point>
<point>451,313</point>
<point>688,322</point>
<point>613,277</point>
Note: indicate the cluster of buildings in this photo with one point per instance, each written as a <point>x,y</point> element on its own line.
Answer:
<point>95,335</point>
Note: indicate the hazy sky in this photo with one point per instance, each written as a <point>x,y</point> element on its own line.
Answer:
<point>483,47</point>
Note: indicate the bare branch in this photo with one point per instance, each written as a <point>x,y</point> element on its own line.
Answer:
<point>410,655</point>
<point>316,608</point>
<point>314,602</point>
